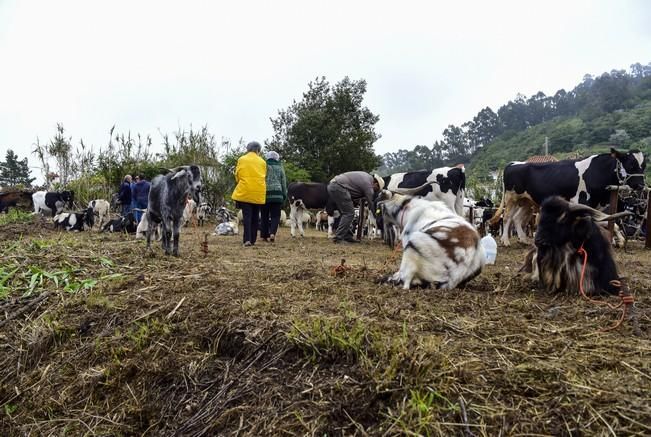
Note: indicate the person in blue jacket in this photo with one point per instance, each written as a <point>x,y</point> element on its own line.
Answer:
<point>124,195</point>
<point>141,193</point>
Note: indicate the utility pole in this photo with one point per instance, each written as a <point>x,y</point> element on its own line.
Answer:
<point>546,146</point>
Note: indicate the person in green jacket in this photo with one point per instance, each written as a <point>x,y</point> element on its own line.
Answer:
<point>276,196</point>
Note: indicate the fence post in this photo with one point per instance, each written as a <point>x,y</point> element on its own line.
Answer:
<point>360,220</point>
<point>612,209</point>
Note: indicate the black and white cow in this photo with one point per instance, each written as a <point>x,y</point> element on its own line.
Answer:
<point>167,200</point>
<point>125,223</point>
<point>52,202</point>
<point>579,181</point>
<point>75,221</point>
<point>308,195</point>
<point>447,184</point>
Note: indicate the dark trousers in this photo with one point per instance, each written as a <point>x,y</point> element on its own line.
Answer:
<point>250,219</point>
<point>140,204</point>
<point>269,219</point>
<point>341,196</point>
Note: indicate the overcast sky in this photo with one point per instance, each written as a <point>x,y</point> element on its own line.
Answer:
<point>153,65</point>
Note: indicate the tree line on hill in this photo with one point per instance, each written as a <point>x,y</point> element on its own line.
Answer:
<point>612,107</point>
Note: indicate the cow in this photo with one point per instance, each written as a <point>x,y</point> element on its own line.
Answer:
<point>447,184</point>
<point>308,195</point>
<point>101,209</point>
<point>566,232</point>
<point>52,202</point>
<point>167,199</point>
<point>579,181</point>
<point>125,224</point>
<point>13,198</point>
<point>75,221</point>
<point>440,247</point>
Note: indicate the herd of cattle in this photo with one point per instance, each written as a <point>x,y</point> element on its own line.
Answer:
<point>425,209</point>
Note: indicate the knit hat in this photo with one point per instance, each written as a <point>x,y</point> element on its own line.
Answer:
<point>379,180</point>
<point>272,155</point>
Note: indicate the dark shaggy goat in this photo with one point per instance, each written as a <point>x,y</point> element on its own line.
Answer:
<point>556,263</point>
<point>167,199</point>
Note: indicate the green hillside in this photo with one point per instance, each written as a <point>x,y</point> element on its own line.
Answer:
<point>569,137</point>
<point>612,109</point>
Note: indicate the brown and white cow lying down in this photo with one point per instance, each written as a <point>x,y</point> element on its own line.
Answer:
<point>439,247</point>
<point>556,263</point>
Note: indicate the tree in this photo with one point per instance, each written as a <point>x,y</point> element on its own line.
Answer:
<point>457,144</point>
<point>15,172</point>
<point>329,131</point>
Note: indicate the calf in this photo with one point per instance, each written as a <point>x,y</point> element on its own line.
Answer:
<point>101,209</point>
<point>75,221</point>
<point>564,230</point>
<point>440,247</point>
<point>167,199</point>
<point>52,202</point>
<point>13,198</point>
<point>125,223</point>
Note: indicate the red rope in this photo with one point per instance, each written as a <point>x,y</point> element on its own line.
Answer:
<point>626,299</point>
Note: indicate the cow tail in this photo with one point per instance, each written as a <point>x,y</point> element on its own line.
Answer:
<point>498,214</point>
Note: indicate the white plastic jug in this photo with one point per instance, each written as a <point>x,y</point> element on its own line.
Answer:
<point>490,248</point>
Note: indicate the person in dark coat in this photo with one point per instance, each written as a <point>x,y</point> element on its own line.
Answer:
<point>124,195</point>
<point>276,195</point>
<point>141,192</point>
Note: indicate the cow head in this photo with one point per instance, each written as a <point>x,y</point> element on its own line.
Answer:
<point>630,168</point>
<point>192,173</point>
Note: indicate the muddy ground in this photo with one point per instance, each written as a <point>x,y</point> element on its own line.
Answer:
<point>98,338</point>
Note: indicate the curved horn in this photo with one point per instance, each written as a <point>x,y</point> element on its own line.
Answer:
<point>596,214</point>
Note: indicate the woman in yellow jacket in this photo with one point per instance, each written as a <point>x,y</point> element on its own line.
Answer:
<point>251,189</point>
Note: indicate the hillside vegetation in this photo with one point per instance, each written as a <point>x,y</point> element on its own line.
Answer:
<point>613,109</point>
<point>570,137</point>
